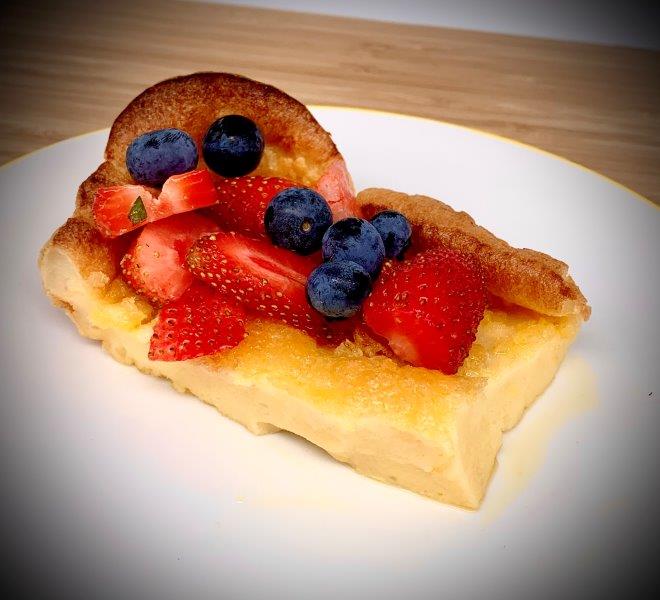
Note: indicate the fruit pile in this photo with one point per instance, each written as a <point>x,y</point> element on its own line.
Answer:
<point>215,246</point>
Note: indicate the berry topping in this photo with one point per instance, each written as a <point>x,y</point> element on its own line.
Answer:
<point>154,156</point>
<point>154,265</point>
<point>267,280</point>
<point>120,209</point>
<point>199,323</point>
<point>337,289</point>
<point>395,230</point>
<point>233,146</point>
<point>428,308</point>
<point>356,240</point>
<point>297,218</point>
<point>242,202</point>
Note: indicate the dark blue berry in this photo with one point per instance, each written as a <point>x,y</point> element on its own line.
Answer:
<point>154,156</point>
<point>357,240</point>
<point>337,289</point>
<point>297,218</point>
<point>233,146</point>
<point>395,231</point>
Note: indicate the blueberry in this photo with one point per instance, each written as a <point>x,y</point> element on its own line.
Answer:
<point>297,218</point>
<point>337,289</point>
<point>154,156</point>
<point>357,240</point>
<point>395,230</point>
<point>233,146</point>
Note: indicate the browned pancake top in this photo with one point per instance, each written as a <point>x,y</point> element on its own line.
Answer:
<point>524,277</point>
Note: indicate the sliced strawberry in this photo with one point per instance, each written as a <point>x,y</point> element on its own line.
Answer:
<point>242,202</point>
<point>428,308</point>
<point>336,186</point>
<point>120,209</point>
<point>183,193</point>
<point>267,280</point>
<point>155,263</point>
<point>199,323</point>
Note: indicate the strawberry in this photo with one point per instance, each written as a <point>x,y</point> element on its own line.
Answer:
<point>336,187</point>
<point>428,308</point>
<point>199,323</point>
<point>155,262</point>
<point>185,192</point>
<point>122,208</point>
<point>268,281</point>
<point>242,202</point>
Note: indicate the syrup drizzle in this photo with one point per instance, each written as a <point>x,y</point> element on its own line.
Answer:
<point>525,448</point>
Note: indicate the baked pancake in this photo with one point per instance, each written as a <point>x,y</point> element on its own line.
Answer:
<point>419,428</point>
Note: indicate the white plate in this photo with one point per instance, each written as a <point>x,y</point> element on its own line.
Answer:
<point>114,485</point>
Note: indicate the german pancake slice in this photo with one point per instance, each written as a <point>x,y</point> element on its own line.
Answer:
<point>434,433</point>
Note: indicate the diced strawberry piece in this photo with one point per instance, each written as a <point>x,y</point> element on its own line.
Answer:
<point>242,202</point>
<point>183,193</point>
<point>155,263</point>
<point>200,323</point>
<point>120,209</point>
<point>428,308</point>
<point>268,281</point>
<point>336,186</point>
<point>117,209</point>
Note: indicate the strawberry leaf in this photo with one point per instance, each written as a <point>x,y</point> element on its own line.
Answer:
<point>138,212</point>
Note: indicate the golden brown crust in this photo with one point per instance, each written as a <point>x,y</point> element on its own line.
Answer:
<point>302,149</point>
<point>521,276</point>
<point>193,102</point>
<point>83,243</point>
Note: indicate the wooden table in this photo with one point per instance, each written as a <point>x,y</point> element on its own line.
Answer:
<point>70,67</point>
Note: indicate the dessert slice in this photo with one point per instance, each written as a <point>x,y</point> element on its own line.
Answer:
<point>535,311</point>
<point>184,281</point>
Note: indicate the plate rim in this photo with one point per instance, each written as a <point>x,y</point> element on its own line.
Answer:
<point>489,134</point>
<point>398,115</point>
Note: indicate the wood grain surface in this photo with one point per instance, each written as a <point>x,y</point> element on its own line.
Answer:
<point>70,67</point>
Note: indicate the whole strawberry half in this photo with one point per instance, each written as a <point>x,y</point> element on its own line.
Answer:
<point>200,323</point>
<point>428,308</point>
<point>267,280</point>
<point>242,202</point>
<point>154,265</point>
<point>123,208</point>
